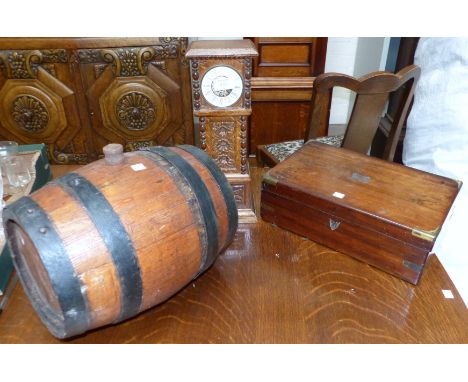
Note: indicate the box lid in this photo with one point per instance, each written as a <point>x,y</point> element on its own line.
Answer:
<point>390,198</point>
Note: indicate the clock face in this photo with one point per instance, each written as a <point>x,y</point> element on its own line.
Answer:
<point>222,86</point>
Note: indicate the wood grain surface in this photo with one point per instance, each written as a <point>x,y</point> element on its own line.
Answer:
<point>217,48</point>
<point>376,216</point>
<point>282,81</point>
<point>271,286</point>
<point>413,198</point>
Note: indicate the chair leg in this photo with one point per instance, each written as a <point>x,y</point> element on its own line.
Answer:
<point>260,159</point>
<point>264,158</point>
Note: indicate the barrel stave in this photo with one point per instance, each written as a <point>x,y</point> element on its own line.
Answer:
<point>90,258</point>
<point>171,225</point>
<point>215,193</point>
<point>155,214</point>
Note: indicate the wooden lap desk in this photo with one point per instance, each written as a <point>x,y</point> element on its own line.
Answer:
<point>271,286</point>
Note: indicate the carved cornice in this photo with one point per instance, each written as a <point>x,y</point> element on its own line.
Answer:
<point>20,64</point>
<point>131,61</point>
<point>23,64</point>
<point>171,48</point>
<point>138,145</point>
<point>90,56</point>
<point>59,157</point>
<point>54,56</point>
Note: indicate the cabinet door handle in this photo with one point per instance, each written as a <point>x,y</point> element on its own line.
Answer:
<point>334,224</point>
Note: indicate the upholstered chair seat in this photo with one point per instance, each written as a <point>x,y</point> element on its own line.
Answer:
<point>283,150</point>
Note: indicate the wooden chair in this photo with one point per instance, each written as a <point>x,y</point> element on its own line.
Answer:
<point>372,92</point>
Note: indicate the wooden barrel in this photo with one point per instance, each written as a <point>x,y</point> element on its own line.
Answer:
<point>101,244</point>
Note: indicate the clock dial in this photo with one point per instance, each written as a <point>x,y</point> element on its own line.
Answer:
<point>222,86</point>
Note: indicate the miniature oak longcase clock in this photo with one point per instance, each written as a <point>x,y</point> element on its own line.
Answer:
<point>221,72</point>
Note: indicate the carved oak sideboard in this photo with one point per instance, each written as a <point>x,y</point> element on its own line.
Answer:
<point>78,94</point>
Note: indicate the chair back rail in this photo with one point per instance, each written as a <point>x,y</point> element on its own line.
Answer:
<point>372,93</point>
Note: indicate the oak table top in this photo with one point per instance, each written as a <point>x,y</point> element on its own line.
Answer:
<point>272,286</point>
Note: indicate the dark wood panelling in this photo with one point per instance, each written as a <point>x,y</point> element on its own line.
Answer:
<point>282,87</point>
<point>289,56</point>
<point>277,121</point>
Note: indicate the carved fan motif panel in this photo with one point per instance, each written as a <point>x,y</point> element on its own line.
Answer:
<point>36,103</point>
<point>132,108</point>
<point>135,95</point>
<point>78,94</point>
<point>135,111</point>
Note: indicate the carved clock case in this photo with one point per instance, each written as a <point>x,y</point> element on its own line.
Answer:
<point>224,119</point>
<point>77,95</point>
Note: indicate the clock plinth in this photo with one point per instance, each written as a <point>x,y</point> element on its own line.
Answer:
<point>221,73</point>
<point>241,186</point>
